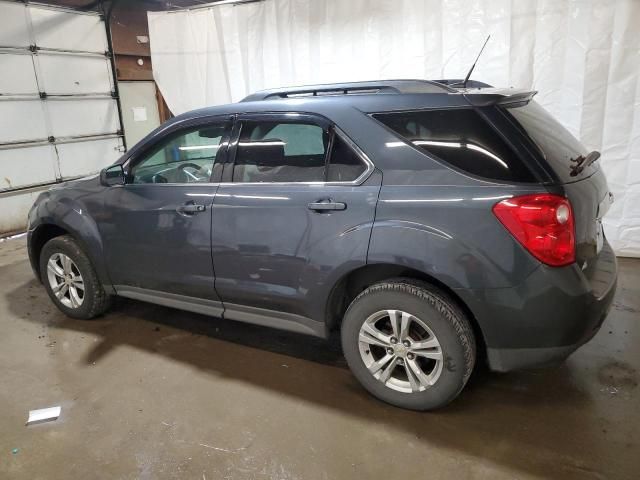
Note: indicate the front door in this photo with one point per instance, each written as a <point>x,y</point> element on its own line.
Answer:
<point>157,235</point>
<point>294,214</point>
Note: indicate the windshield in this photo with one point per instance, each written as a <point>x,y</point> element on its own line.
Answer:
<point>554,142</point>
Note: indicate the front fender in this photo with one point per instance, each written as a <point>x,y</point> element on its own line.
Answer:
<point>70,211</point>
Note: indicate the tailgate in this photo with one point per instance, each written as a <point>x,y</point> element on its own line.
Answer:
<point>590,199</point>
<point>581,178</point>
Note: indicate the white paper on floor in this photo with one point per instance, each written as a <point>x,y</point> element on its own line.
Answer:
<point>43,415</point>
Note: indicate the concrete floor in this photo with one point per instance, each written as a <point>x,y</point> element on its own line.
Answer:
<point>149,392</point>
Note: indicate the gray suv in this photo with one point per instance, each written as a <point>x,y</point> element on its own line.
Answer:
<point>432,225</point>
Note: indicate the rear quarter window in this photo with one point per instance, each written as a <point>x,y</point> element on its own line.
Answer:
<point>460,138</point>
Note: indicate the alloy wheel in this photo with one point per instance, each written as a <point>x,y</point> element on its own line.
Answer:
<point>400,350</point>
<point>65,280</point>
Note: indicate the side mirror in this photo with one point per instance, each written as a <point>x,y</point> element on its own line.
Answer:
<point>113,175</point>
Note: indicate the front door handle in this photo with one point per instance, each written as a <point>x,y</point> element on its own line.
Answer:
<point>326,205</point>
<point>190,209</point>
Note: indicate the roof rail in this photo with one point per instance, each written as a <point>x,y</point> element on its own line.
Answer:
<point>457,83</point>
<point>351,88</point>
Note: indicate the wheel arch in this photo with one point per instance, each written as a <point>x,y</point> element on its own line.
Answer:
<point>92,246</point>
<point>351,284</point>
<point>40,236</point>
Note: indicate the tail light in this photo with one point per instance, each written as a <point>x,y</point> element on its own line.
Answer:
<point>543,224</point>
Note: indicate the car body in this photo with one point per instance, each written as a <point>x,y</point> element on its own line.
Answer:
<point>294,251</point>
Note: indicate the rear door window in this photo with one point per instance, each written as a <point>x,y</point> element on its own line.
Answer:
<point>554,143</point>
<point>285,152</point>
<point>460,138</point>
<point>344,164</point>
<point>280,152</point>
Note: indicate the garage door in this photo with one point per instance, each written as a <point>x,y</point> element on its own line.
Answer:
<point>58,113</point>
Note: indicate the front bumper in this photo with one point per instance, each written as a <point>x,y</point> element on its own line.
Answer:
<point>33,261</point>
<point>547,317</point>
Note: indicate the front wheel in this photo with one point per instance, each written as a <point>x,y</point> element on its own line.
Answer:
<point>408,344</point>
<point>70,279</point>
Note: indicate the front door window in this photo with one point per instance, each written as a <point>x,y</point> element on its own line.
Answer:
<point>185,157</point>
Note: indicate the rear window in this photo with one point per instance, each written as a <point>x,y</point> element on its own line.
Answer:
<point>554,142</point>
<point>461,138</point>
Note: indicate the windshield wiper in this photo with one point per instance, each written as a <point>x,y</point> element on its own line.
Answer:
<point>581,162</point>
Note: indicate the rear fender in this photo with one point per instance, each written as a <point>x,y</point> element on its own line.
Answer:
<point>449,233</point>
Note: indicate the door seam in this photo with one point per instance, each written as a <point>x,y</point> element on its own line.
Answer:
<point>375,213</point>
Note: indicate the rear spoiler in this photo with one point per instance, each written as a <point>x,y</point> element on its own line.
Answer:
<point>502,97</point>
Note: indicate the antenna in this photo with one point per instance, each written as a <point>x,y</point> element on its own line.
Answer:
<point>466,79</point>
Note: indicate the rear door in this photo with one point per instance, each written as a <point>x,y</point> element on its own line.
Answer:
<point>293,213</point>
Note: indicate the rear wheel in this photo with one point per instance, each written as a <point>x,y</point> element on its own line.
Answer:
<point>408,344</point>
<point>71,280</point>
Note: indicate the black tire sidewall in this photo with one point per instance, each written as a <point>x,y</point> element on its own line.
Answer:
<point>68,247</point>
<point>454,373</point>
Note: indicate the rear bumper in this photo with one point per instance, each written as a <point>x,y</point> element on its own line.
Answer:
<point>547,317</point>
<point>506,359</point>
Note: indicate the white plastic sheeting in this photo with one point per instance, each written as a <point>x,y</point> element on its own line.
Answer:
<point>582,56</point>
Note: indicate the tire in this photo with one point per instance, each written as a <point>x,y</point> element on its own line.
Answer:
<point>433,318</point>
<point>93,299</point>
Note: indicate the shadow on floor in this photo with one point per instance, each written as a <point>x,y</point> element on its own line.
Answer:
<point>508,410</point>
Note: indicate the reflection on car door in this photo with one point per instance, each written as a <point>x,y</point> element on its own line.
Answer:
<point>157,232</point>
<point>282,234</point>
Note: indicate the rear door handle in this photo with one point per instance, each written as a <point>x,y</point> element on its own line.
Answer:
<point>190,209</point>
<point>323,206</point>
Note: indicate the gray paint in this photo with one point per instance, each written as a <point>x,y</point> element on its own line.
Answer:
<point>258,250</point>
<point>182,302</point>
<point>147,243</point>
<point>271,251</point>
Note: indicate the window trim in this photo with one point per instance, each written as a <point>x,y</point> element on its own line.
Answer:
<point>329,153</point>
<point>295,117</point>
<point>138,155</point>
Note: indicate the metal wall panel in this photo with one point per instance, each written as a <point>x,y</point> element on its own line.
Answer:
<point>136,96</point>
<point>13,25</point>
<point>22,120</point>
<point>16,74</point>
<point>31,166</point>
<point>58,120</point>
<point>15,207</point>
<point>78,117</point>
<point>71,31</point>
<point>75,74</point>
<point>81,158</point>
